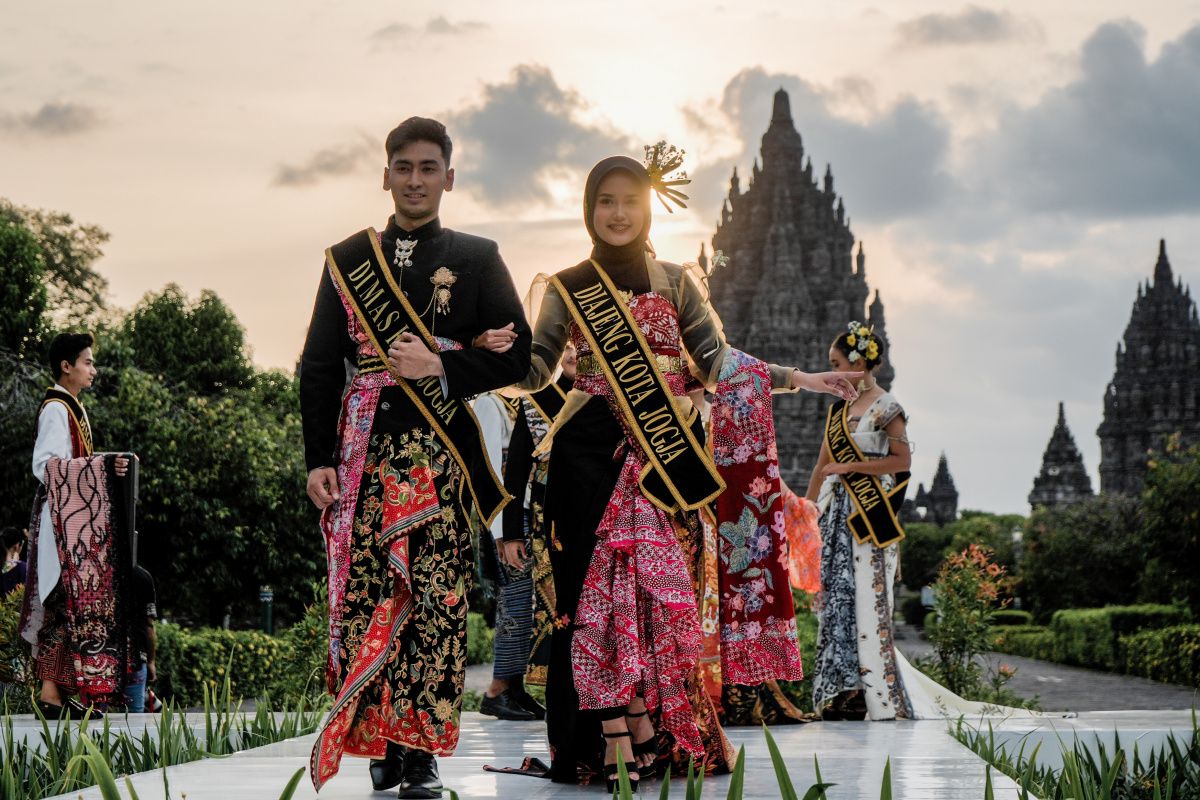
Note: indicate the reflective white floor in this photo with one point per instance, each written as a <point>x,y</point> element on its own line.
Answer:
<point>927,764</point>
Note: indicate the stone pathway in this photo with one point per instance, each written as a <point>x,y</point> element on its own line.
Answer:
<point>1063,688</point>
<point>926,764</point>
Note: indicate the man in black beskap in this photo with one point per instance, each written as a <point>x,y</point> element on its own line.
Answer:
<point>396,465</point>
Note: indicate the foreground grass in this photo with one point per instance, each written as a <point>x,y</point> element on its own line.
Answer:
<point>1171,772</point>
<point>69,756</point>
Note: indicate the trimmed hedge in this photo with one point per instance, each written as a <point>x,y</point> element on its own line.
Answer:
<point>1030,641</point>
<point>188,659</point>
<point>284,668</point>
<point>1170,655</point>
<point>1011,616</point>
<point>479,639</point>
<point>1091,637</point>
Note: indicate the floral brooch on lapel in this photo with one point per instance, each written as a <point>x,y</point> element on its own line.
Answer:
<point>443,278</point>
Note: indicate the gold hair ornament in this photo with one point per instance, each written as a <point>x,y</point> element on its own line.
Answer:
<point>661,160</point>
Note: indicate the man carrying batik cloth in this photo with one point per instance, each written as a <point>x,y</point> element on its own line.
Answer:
<point>76,610</point>
<point>397,464</point>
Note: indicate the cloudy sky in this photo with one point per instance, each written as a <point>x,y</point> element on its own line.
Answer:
<point>1010,167</point>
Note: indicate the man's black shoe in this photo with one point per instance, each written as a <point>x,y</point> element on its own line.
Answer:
<point>421,779</point>
<point>505,706</point>
<point>526,701</point>
<point>73,709</point>
<point>388,771</point>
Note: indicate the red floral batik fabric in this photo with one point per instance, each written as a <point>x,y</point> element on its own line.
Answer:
<point>638,625</point>
<point>400,561</point>
<point>757,619</point>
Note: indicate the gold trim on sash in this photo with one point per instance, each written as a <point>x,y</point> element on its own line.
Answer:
<point>78,420</point>
<point>632,418</point>
<point>430,387</point>
<point>866,491</point>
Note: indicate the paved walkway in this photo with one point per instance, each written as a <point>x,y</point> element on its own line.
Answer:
<point>1063,688</point>
<point>926,763</point>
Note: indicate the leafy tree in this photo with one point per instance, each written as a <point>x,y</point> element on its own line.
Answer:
<point>199,345</point>
<point>222,507</point>
<point>68,250</point>
<point>22,289</point>
<point>1171,529</point>
<point>924,548</point>
<point>1083,556</point>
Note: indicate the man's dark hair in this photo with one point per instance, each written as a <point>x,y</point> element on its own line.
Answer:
<point>67,347</point>
<point>419,129</point>
<point>11,537</point>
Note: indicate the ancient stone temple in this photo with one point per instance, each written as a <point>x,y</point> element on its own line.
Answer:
<point>1155,391</point>
<point>1063,480</point>
<point>793,279</point>
<point>938,505</point>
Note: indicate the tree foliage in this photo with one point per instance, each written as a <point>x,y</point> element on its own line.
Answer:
<point>68,251</point>
<point>1084,556</point>
<point>199,346</point>
<point>22,289</point>
<point>222,504</point>
<point>1171,528</point>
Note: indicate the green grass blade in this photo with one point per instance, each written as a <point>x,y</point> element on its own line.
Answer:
<point>290,789</point>
<point>885,791</point>
<point>787,791</point>
<point>738,779</point>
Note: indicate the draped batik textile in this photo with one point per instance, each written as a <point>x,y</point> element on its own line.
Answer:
<point>855,644</point>
<point>400,564</point>
<point>80,634</point>
<point>757,618</point>
<point>637,626</point>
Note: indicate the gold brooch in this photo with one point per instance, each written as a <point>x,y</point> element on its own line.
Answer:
<point>442,280</point>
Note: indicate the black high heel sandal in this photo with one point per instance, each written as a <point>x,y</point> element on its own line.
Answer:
<point>646,748</point>
<point>612,771</point>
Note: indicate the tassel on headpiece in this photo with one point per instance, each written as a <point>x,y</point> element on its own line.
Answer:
<point>661,160</point>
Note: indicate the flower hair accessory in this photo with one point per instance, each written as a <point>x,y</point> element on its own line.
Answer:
<point>661,160</point>
<point>863,340</point>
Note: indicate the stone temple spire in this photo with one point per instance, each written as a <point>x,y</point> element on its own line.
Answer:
<point>790,285</point>
<point>1063,480</point>
<point>887,372</point>
<point>943,495</point>
<point>1155,389</point>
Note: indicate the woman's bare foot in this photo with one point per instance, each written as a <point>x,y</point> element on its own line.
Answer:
<point>642,729</point>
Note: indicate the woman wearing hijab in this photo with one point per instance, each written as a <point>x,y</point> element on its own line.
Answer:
<point>628,471</point>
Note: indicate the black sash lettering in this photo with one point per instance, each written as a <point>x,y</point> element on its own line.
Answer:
<point>875,510</point>
<point>680,473</point>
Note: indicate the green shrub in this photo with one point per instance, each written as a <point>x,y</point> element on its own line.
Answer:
<point>1170,655</point>
<point>189,659</point>
<point>1091,637</point>
<point>17,681</point>
<point>1030,641</point>
<point>479,639</point>
<point>1011,616</point>
<point>306,645</point>
<point>1081,556</point>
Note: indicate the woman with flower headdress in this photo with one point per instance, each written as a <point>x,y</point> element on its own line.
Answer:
<point>858,484</point>
<point>628,471</point>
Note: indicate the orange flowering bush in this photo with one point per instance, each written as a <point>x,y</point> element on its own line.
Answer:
<point>970,587</point>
